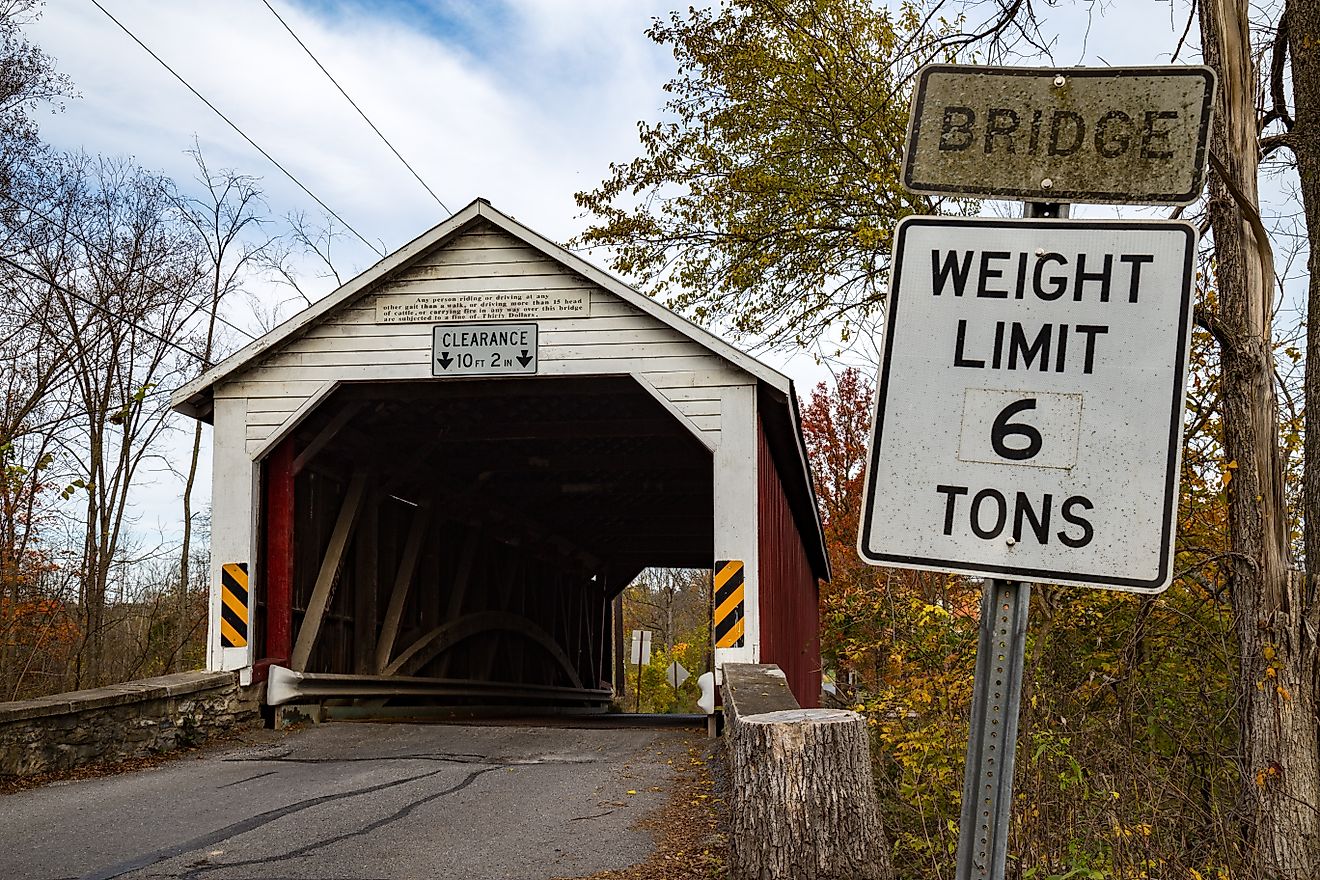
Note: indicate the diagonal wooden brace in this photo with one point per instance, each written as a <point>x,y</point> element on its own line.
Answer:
<point>325,578</point>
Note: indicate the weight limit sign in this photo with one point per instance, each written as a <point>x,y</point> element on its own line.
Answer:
<point>1028,420</point>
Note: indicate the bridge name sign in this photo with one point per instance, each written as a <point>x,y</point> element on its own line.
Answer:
<point>1113,134</point>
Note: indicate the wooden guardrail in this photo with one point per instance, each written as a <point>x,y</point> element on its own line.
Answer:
<point>803,799</point>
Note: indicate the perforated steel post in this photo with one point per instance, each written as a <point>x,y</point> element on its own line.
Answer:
<point>996,698</point>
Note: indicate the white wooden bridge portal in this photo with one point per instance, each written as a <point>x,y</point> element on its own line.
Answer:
<point>388,516</point>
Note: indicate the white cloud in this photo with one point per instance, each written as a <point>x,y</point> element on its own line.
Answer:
<point>524,102</point>
<point>527,124</point>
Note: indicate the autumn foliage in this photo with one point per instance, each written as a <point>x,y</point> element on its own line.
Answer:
<point>1126,751</point>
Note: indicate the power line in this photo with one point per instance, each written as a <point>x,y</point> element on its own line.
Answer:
<point>240,131</point>
<point>378,132</point>
<point>91,247</point>
<point>100,308</point>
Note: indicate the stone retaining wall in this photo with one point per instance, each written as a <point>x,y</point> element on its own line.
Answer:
<point>120,722</point>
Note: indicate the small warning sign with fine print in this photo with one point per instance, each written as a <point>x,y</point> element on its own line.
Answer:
<point>483,350</point>
<point>1028,420</point>
<point>487,305</point>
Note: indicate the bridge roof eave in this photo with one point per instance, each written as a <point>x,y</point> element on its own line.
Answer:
<point>195,397</point>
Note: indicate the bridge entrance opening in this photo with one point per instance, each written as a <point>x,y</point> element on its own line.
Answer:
<point>464,541</point>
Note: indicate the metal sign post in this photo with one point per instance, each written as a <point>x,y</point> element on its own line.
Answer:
<point>641,655</point>
<point>987,803</point>
<point>1023,365</point>
<point>1001,652</point>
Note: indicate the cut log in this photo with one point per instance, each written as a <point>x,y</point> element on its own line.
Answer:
<point>804,805</point>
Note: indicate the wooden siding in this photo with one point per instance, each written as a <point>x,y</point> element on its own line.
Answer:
<point>790,614</point>
<point>348,345</point>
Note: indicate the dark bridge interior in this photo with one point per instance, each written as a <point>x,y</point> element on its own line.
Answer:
<point>479,529</point>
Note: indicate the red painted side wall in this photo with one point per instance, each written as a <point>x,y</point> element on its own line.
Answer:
<point>790,614</point>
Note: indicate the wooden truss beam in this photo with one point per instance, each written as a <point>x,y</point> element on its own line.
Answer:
<point>412,549</point>
<point>445,636</point>
<point>366,556</point>
<point>326,434</point>
<point>325,578</point>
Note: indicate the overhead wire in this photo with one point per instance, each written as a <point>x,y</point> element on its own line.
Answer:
<point>355,106</point>
<point>91,247</point>
<point>240,131</point>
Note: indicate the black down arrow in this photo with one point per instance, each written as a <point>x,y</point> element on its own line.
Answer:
<point>525,359</point>
<point>445,360</point>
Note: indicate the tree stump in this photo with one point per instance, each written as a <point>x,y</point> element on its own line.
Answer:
<point>803,803</point>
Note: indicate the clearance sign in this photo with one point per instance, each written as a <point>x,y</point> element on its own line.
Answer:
<point>1028,420</point>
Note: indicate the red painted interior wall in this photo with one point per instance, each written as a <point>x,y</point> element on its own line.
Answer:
<point>277,519</point>
<point>790,613</point>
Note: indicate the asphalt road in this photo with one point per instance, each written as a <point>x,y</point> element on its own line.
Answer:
<point>357,801</point>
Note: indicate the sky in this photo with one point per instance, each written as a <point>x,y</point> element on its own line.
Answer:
<point>523,102</point>
<point>517,102</point>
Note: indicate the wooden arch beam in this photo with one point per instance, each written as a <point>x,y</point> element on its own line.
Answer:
<point>447,635</point>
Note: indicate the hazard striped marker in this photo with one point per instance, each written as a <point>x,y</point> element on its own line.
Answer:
<point>729,603</point>
<point>234,605</point>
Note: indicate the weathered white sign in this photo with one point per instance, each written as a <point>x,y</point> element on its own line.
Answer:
<point>1028,419</point>
<point>507,305</point>
<point>641,647</point>
<point>676,674</point>
<point>1111,134</point>
<point>483,349</point>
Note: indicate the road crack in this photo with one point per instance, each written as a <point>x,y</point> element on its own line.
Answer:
<point>196,871</point>
<point>246,779</point>
<point>209,841</point>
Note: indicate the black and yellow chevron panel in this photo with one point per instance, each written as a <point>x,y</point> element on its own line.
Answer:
<point>234,605</point>
<point>729,603</point>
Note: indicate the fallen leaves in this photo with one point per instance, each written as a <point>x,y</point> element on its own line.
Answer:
<point>689,830</point>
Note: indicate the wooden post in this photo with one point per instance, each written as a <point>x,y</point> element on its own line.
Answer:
<point>389,628</point>
<point>737,513</point>
<point>804,806</point>
<point>458,589</point>
<point>605,634</point>
<point>278,520</point>
<point>365,586</point>
<point>235,497</point>
<point>463,574</point>
<point>428,574</point>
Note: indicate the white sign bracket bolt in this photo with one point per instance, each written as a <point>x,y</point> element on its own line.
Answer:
<point>1046,210</point>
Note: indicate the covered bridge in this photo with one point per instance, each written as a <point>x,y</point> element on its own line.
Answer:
<point>445,471</point>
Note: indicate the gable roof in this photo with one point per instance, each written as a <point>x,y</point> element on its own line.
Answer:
<point>194,398</point>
